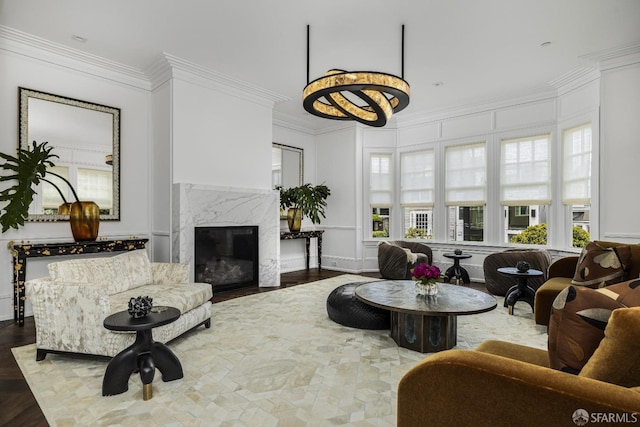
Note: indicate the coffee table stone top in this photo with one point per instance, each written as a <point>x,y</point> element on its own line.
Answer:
<point>400,295</point>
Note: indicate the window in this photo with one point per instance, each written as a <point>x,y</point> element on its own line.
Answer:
<point>380,193</point>
<point>417,184</point>
<point>576,180</point>
<point>96,185</point>
<point>465,191</point>
<point>525,187</point>
<point>51,199</point>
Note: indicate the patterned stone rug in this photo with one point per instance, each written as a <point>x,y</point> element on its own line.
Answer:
<point>269,359</point>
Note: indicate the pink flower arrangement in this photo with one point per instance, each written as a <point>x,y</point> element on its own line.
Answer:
<point>425,273</point>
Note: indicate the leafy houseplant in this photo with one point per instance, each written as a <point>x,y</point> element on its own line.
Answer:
<point>304,200</point>
<point>29,167</point>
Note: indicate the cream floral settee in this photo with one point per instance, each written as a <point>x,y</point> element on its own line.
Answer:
<point>70,305</point>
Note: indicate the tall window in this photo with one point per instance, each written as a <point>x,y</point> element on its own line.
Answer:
<point>576,180</point>
<point>417,184</point>
<point>97,186</point>
<point>380,193</point>
<point>465,190</point>
<point>525,188</point>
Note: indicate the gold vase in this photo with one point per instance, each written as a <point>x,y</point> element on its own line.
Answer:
<point>64,209</point>
<point>294,219</point>
<point>85,221</point>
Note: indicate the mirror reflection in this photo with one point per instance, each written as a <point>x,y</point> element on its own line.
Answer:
<point>86,137</point>
<point>286,166</point>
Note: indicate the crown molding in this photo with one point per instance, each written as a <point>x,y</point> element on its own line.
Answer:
<point>475,107</point>
<point>620,56</point>
<point>288,121</point>
<point>22,44</point>
<point>169,66</point>
<point>575,79</point>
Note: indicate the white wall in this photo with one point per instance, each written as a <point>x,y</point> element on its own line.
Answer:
<point>620,154</point>
<point>46,69</point>
<point>292,252</point>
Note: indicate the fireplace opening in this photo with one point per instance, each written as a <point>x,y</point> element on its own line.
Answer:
<point>227,257</point>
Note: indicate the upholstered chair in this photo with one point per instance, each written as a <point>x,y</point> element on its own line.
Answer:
<point>498,284</point>
<point>397,258</point>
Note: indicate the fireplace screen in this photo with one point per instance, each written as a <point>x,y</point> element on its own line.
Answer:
<point>227,257</point>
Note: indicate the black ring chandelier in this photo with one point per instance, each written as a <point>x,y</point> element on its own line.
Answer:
<point>368,97</point>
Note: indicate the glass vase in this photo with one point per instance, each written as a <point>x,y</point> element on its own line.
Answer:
<point>426,289</point>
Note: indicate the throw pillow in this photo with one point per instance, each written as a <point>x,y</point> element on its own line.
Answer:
<point>627,293</point>
<point>617,359</point>
<point>579,316</point>
<point>599,266</point>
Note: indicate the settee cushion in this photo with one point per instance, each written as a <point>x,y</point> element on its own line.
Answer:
<point>183,296</point>
<point>117,273</point>
<point>579,316</point>
<point>617,359</point>
<point>600,266</point>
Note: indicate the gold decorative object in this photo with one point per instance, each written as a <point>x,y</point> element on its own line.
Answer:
<point>371,97</point>
<point>294,219</point>
<point>85,220</point>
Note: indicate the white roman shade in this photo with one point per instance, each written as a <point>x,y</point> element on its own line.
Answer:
<point>96,186</point>
<point>525,171</point>
<point>381,181</point>
<point>417,182</point>
<point>466,175</point>
<point>576,166</point>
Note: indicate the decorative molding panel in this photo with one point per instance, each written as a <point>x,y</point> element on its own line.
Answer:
<point>23,44</point>
<point>168,66</point>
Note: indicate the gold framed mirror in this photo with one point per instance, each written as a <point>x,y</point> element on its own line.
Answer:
<point>86,137</point>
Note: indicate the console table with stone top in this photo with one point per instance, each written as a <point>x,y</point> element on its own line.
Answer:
<point>307,235</point>
<point>22,251</point>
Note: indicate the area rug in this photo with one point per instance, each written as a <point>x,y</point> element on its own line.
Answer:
<point>269,359</point>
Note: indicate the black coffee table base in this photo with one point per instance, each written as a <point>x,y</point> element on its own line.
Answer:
<point>144,356</point>
<point>426,334</point>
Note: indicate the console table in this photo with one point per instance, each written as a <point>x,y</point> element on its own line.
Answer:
<point>22,251</point>
<point>307,235</point>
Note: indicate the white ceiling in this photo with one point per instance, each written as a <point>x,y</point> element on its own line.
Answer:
<point>479,49</point>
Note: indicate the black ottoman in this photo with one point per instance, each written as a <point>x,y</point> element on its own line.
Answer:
<point>345,308</point>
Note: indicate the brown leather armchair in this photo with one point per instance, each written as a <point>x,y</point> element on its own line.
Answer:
<point>499,284</point>
<point>397,258</point>
<point>562,271</point>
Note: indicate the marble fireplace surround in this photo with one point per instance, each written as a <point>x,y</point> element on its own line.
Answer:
<point>195,205</point>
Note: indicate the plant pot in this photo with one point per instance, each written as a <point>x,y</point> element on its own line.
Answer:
<point>85,221</point>
<point>294,219</point>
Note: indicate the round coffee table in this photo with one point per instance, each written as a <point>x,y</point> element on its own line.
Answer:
<point>144,355</point>
<point>425,324</point>
<point>520,291</point>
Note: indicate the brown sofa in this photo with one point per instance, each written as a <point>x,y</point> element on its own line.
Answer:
<point>560,274</point>
<point>393,258</point>
<point>506,384</point>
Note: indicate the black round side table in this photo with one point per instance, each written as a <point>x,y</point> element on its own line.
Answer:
<point>520,291</point>
<point>144,355</point>
<point>456,271</point>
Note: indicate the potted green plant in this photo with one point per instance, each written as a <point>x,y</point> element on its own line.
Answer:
<point>304,200</point>
<point>28,168</point>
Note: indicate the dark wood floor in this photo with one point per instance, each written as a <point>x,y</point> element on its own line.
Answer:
<point>18,407</point>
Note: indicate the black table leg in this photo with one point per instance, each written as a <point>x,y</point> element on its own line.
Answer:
<point>143,355</point>
<point>519,292</point>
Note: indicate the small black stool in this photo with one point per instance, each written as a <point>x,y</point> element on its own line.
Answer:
<point>345,308</point>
